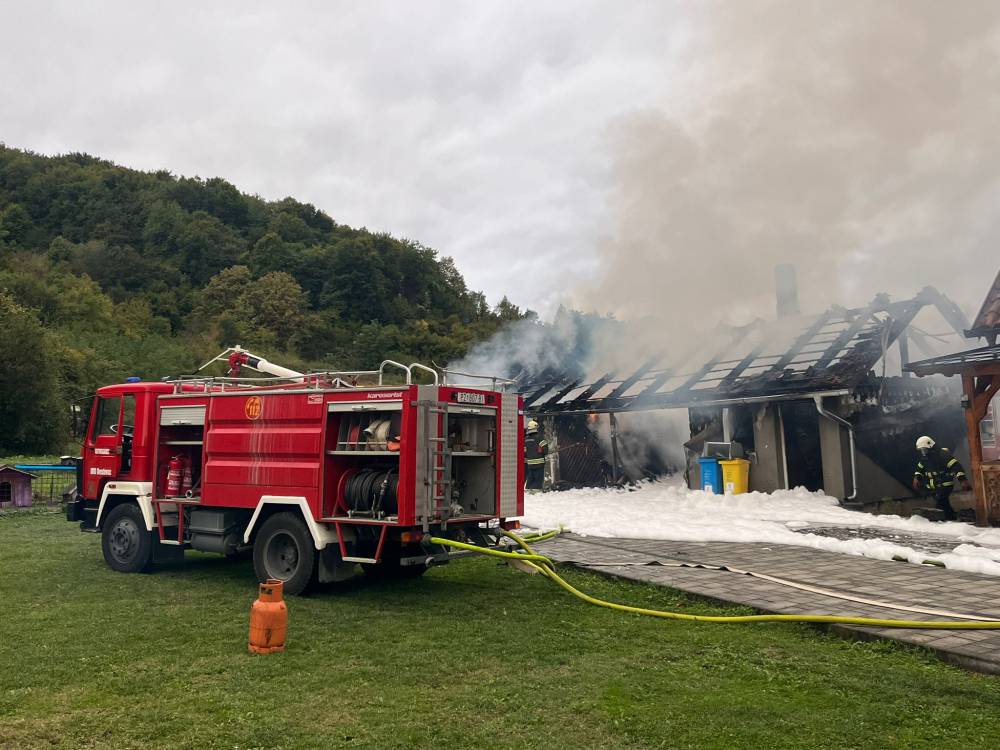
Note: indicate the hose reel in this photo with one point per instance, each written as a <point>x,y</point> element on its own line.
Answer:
<point>372,492</point>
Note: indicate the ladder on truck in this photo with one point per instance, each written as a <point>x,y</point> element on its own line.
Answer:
<point>434,496</point>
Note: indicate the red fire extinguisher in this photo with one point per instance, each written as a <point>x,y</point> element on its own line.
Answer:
<point>174,471</point>
<point>186,480</point>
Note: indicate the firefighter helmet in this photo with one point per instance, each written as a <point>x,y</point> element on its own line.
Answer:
<point>924,443</point>
<point>532,426</point>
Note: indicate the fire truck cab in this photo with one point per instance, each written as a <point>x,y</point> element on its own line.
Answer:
<point>313,473</point>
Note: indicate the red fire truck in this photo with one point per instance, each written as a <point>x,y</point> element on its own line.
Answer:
<point>314,473</point>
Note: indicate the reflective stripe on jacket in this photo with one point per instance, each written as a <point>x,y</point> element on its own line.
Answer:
<point>534,450</point>
<point>939,470</point>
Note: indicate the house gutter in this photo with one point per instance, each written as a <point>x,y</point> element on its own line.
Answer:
<point>818,400</point>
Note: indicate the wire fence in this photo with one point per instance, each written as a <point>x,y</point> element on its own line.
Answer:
<point>50,482</point>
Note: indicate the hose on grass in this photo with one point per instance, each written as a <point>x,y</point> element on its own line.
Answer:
<point>545,566</point>
<point>541,537</point>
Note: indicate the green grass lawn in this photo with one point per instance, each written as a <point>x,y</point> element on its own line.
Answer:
<point>473,654</point>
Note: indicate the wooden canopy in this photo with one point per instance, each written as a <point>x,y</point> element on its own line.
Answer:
<point>980,371</point>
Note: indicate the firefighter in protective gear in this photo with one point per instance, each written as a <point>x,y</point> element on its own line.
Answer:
<point>535,451</point>
<point>936,473</point>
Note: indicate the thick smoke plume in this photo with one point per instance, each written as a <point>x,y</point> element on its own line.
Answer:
<point>857,140</point>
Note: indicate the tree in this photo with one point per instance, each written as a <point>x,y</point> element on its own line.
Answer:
<point>272,253</point>
<point>271,309</point>
<point>33,414</point>
<point>275,304</point>
<point>15,224</point>
<point>507,310</point>
<point>206,246</point>
<point>163,226</point>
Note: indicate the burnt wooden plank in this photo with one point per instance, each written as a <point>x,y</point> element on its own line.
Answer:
<point>859,321</point>
<point>744,363</point>
<point>706,368</point>
<point>804,339</point>
<point>634,378</point>
<point>546,382</point>
<point>560,395</point>
<point>593,388</point>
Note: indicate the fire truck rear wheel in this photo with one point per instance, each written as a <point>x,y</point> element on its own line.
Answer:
<point>127,545</point>
<point>284,550</point>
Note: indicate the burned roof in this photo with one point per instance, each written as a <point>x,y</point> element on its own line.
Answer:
<point>789,357</point>
<point>987,322</point>
<point>956,364</point>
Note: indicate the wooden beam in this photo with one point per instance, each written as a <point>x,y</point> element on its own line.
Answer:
<point>709,366</point>
<point>744,363</point>
<point>635,377</point>
<point>853,329</point>
<point>594,388</point>
<point>552,400</point>
<point>804,338</point>
<point>975,409</point>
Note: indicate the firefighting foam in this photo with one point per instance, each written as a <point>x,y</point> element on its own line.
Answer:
<point>668,510</point>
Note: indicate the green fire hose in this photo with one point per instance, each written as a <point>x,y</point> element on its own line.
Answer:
<point>546,567</point>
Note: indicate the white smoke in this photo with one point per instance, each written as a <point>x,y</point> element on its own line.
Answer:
<point>856,140</point>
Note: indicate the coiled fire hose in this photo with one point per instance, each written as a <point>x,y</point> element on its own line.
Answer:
<point>546,567</point>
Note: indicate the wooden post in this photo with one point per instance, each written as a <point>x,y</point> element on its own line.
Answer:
<point>904,353</point>
<point>978,394</point>
<point>975,448</point>
<point>615,472</point>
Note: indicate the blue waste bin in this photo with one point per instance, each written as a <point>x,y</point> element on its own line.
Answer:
<point>711,475</point>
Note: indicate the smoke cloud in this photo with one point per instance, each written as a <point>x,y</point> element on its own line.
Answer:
<point>856,140</point>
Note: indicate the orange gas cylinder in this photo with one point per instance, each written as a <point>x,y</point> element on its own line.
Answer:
<point>268,619</point>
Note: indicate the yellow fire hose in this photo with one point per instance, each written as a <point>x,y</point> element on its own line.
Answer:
<point>545,566</point>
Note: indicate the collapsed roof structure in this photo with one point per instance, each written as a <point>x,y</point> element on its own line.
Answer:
<point>831,353</point>
<point>813,399</point>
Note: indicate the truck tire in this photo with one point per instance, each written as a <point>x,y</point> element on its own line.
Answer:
<point>127,545</point>
<point>283,549</point>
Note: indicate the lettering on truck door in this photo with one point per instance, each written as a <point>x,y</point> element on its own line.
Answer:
<point>105,445</point>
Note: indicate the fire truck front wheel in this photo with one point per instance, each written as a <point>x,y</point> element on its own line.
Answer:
<point>284,550</point>
<point>127,545</point>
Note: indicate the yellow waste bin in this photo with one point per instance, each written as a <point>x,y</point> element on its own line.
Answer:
<point>735,476</point>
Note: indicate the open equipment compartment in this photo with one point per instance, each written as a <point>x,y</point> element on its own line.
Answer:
<point>362,460</point>
<point>181,434</point>
<point>472,438</point>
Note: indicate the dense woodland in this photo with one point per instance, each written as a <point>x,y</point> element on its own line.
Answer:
<point>107,272</point>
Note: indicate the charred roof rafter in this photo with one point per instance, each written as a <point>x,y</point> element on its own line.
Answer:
<point>834,353</point>
<point>635,377</point>
<point>858,322</point>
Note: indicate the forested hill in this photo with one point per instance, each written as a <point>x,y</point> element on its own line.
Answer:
<point>107,272</point>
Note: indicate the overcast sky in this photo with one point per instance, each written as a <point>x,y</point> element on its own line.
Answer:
<point>636,157</point>
<point>478,128</point>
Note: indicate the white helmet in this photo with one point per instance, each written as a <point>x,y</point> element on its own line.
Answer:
<point>924,443</point>
<point>532,426</point>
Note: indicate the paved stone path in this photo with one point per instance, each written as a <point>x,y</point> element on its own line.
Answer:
<point>907,584</point>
